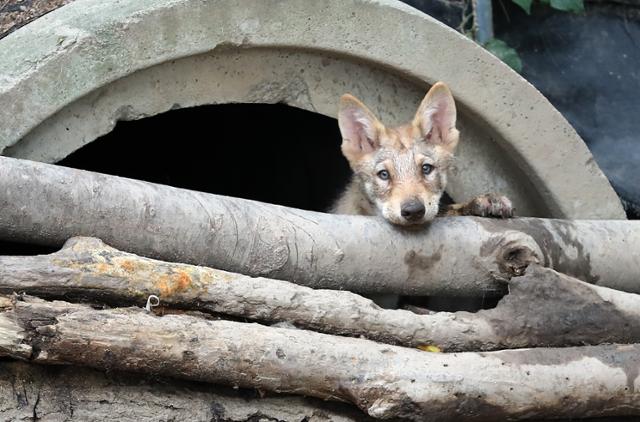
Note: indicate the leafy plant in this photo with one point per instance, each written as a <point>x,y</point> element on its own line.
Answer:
<point>507,54</point>
<point>575,6</point>
<point>524,4</point>
<point>500,49</point>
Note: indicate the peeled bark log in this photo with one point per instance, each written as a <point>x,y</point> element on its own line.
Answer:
<point>46,204</point>
<point>543,308</point>
<point>63,393</point>
<point>384,381</point>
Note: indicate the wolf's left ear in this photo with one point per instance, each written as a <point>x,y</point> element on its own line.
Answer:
<point>436,117</point>
<point>359,127</point>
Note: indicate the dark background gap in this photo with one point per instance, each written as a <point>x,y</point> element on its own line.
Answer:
<point>267,152</point>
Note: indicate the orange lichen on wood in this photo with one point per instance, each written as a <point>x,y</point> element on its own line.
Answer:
<point>174,283</point>
<point>103,268</point>
<point>128,266</point>
<point>183,280</point>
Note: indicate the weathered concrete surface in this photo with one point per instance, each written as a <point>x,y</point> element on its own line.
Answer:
<point>17,13</point>
<point>86,45</point>
<point>309,81</point>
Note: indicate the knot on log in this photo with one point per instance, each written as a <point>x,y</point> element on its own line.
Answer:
<point>511,252</point>
<point>268,250</point>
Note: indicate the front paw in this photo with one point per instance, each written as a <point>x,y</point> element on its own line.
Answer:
<point>490,205</point>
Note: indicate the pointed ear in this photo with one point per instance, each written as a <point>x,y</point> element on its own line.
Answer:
<point>359,127</point>
<point>436,117</point>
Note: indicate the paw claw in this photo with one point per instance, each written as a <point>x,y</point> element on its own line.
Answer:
<point>491,205</point>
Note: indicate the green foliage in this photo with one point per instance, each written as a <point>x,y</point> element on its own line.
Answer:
<point>524,4</point>
<point>501,50</point>
<point>509,55</point>
<point>575,6</point>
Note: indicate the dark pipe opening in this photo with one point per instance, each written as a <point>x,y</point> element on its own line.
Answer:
<point>269,153</point>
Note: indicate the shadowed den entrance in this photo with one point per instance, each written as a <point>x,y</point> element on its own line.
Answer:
<point>269,153</point>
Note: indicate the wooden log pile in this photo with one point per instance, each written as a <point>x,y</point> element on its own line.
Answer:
<point>263,300</point>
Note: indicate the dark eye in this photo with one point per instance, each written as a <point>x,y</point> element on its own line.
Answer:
<point>383,174</point>
<point>426,169</point>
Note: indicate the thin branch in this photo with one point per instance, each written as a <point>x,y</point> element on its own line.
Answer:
<point>543,308</point>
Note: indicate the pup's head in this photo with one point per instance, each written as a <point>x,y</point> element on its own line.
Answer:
<point>402,170</point>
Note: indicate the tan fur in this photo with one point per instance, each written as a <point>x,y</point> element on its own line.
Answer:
<point>430,138</point>
<point>353,201</point>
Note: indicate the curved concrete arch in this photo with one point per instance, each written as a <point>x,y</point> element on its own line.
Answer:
<point>301,79</point>
<point>89,48</point>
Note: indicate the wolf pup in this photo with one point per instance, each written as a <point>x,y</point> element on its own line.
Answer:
<point>401,173</point>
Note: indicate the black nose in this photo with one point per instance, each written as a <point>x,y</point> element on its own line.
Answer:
<point>412,210</point>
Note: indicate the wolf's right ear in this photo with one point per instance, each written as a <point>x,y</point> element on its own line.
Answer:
<point>359,127</point>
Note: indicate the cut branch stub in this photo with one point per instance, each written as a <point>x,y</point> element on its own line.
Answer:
<point>512,251</point>
<point>543,308</point>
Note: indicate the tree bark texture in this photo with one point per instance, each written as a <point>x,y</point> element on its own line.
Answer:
<point>384,381</point>
<point>47,204</point>
<point>543,307</point>
<point>64,393</point>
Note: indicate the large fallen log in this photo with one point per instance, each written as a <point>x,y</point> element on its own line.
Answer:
<point>384,381</point>
<point>64,393</point>
<point>46,204</point>
<point>543,308</point>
